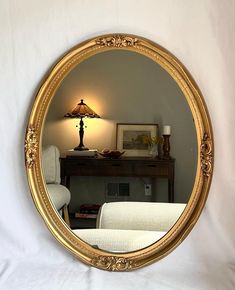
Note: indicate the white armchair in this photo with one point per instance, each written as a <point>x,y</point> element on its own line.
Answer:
<point>59,194</point>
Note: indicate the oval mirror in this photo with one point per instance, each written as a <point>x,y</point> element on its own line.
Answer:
<point>135,194</point>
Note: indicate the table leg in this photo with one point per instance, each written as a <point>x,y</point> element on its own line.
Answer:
<point>67,182</point>
<point>170,190</point>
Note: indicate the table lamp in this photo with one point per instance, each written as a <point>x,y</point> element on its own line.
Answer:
<point>81,111</point>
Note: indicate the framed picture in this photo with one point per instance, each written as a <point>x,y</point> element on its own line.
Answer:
<point>130,138</point>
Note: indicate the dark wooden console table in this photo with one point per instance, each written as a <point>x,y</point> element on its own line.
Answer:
<point>126,166</point>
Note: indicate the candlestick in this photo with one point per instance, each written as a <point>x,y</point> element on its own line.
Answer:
<point>166,130</point>
<point>166,146</point>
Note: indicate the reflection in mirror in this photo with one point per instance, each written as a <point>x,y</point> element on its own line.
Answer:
<point>126,203</point>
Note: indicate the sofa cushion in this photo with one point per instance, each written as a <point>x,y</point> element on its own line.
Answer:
<point>118,240</point>
<point>152,216</point>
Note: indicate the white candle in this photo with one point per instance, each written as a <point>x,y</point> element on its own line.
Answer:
<point>166,130</point>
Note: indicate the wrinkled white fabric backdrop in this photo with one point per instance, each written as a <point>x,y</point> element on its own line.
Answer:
<point>33,34</point>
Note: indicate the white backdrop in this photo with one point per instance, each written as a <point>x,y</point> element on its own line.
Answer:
<point>33,35</point>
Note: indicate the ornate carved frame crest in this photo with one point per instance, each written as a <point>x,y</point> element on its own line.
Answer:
<point>86,253</point>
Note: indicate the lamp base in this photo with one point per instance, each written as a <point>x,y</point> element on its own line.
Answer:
<point>92,153</point>
<point>80,148</point>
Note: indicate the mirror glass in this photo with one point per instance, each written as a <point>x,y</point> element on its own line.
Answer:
<point>127,203</point>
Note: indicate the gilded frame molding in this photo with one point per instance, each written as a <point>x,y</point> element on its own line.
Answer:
<point>95,257</point>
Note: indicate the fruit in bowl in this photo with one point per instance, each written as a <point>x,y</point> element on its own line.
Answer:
<point>111,153</point>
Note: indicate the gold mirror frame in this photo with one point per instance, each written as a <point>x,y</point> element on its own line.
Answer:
<point>86,253</point>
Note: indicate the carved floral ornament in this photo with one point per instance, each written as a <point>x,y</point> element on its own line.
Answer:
<point>117,41</point>
<point>206,155</point>
<point>112,263</point>
<point>31,146</point>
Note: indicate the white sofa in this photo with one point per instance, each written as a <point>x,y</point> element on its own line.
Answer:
<point>129,226</point>
<point>58,193</point>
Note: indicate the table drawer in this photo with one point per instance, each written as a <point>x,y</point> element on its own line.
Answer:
<point>151,169</point>
<point>116,168</point>
<point>97,168</point>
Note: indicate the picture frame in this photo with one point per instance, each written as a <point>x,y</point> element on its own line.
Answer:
<point>130,138</point>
